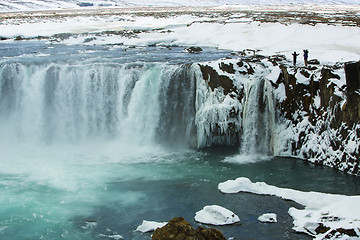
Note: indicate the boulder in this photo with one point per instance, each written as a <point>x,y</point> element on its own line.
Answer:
<point>193,49</point>
<point>313,62</point>
<point>209,234</point>
<point>179,229</point>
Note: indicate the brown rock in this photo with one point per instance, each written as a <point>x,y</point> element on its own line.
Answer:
<point>209,234</point>
<point>179,229</point>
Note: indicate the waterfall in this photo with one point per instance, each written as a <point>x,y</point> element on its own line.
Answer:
<point>136,103</point>
<point>258,118</point>
<point>58,102</point>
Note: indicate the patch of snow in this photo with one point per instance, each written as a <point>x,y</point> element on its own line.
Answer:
<point>280,93</point>
<point>302,79</point>
<point>216,215</point>
<point>317,101</point>
<point>268,218</point>
<point>274,74</point>
<point>150,226</point>
<point>331,211</point>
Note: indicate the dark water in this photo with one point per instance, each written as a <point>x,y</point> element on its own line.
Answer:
<point>190,183</point>
<point>38,51</point>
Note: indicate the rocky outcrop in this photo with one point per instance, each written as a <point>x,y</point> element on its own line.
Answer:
<point>317,107</point>
<point>322,110</point>
<point>352,109</point>
<point>179,229</point>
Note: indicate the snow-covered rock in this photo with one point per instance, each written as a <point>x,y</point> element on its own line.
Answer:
<point>216,215</point>
<point>268,218</point>
<point>326,216</point>
<point>265,105</point>
<point>150,226</point>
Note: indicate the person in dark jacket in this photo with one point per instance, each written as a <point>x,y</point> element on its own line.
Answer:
<point>294,57</point>
<point>306,56</point>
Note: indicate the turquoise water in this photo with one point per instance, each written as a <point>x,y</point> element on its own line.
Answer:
<point>70,193</point>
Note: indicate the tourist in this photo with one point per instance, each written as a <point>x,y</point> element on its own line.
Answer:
<point>294,57</point>
<point>306,55</point>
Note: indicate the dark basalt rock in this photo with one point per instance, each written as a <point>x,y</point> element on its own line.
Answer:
<point>352,71</point>
<point>313,62</point>
<point>19,38</point>
<point>229,68</point>
<point>179,229</point>
<point>193,49</point>
<point>215,80</point>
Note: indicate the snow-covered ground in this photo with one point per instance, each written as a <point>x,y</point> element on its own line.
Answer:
<point>330,34</point>
<point>31,5</point>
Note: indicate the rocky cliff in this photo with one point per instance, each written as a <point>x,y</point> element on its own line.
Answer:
<point>308,112</point>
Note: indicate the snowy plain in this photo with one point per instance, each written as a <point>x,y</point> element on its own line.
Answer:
<point>247,27</point>
<point>31,5</point>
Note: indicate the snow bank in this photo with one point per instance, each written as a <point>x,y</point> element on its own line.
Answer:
<point>325,215</point>
<point>268,217</point>
<point>150,226</point>
<point>216,215</point>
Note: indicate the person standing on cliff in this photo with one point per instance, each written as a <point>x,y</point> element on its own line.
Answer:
<point>294,57</point>
<point>306,55</point>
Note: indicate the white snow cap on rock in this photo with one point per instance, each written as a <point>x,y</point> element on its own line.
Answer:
<point>150,226</point>
<point>268,217</point>
<point>216,215</point>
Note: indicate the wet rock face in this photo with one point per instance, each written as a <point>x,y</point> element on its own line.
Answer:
<point>352,71</point>
<point>179,229</point>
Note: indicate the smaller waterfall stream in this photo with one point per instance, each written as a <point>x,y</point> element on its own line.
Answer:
<point>258,119</point>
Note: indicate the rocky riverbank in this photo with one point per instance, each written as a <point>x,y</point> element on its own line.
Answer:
<point>316,106</point>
